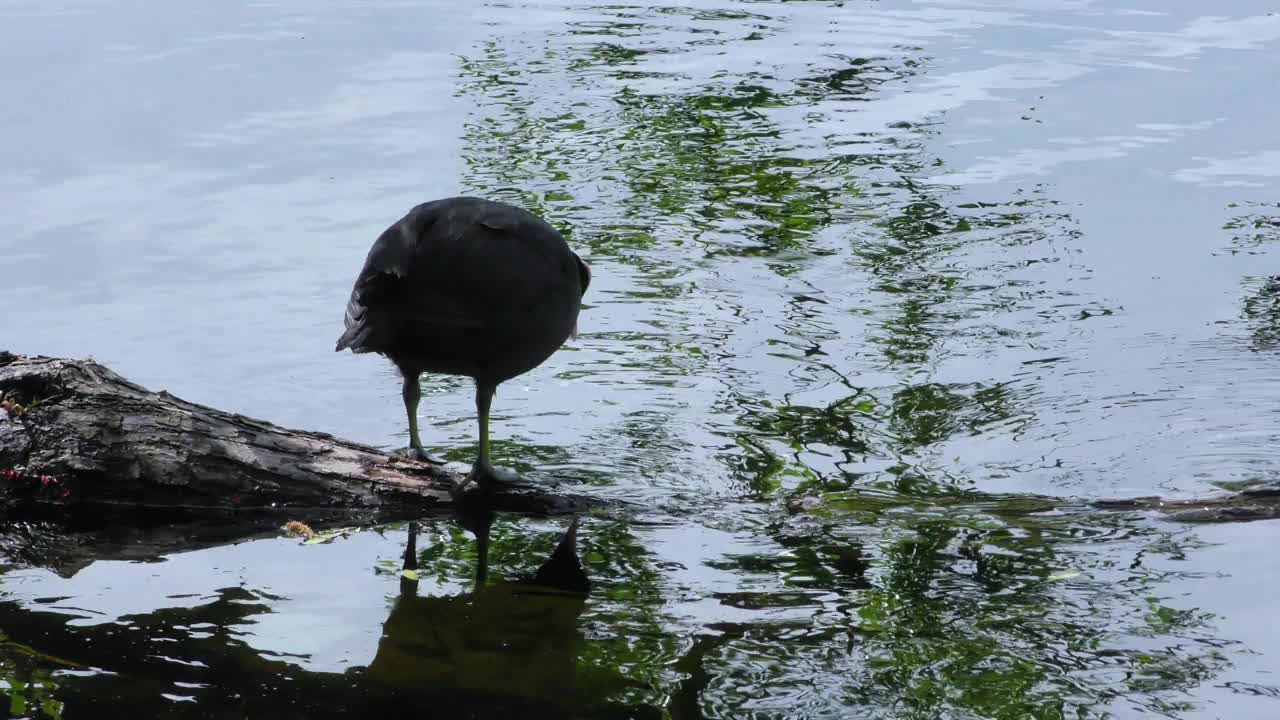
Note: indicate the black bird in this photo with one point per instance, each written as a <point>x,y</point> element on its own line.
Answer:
<point>465,286</point>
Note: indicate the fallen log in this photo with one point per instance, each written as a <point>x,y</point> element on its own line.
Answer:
<point>93,465</point>
<point>75,435</point>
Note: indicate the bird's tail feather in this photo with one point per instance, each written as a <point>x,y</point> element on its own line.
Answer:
<point>354,338</point>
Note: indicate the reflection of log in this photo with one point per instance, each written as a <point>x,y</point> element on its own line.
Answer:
<point>511,649</point>
<point>66,546</point>
<point>75,434</point>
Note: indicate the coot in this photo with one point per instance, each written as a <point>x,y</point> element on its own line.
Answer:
<point>465,286</point>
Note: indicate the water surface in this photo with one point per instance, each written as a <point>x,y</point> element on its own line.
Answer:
<point>866,276</point>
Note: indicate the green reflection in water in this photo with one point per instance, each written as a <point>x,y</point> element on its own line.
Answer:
<point>884,584</point>
<point>1262,311</point>
<point>977,608</point>
<point>27,682</point>
<point>901,592</point>
<point>1255,232</point>
<point>1252,231</point>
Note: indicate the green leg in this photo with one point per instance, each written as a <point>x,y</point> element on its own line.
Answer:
<point>412,393</point>
<point>483,472</point>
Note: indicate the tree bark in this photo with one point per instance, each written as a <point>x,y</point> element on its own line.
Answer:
<point>75,435</point>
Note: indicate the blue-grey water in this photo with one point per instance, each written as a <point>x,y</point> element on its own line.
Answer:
<point>865,272</point>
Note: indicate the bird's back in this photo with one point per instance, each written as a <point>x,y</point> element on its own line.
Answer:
<point>468,286</point>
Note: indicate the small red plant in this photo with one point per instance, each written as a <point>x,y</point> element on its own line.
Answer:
<point>19,475</point>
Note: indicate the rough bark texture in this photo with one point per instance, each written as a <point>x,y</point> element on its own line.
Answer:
<point>75,434</point>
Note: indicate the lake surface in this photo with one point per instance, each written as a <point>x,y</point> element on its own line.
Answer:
<point>867,275</point>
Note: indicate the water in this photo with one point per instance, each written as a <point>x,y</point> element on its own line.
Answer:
<point>866,276</point>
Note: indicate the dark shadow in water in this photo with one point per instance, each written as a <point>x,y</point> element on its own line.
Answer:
<point>518,637</point>
<point>505,649</point>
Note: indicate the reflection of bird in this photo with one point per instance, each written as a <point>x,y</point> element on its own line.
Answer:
<point>465,286</point>
<point>517,640</point>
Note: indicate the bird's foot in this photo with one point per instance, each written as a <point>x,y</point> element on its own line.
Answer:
<point>487,477</point>
<point>490,476</point>
<point>419,454</point>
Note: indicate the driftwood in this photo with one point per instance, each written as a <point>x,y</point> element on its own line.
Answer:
<point>93,466</point>
<point>75,436</point>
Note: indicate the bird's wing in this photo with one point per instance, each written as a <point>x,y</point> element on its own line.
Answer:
<point>413,300</point>
<point>390,282</point>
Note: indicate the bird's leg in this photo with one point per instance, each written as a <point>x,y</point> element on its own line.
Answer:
<point>412,393</point>
<point>483,471</point>
<point>409,571</point>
